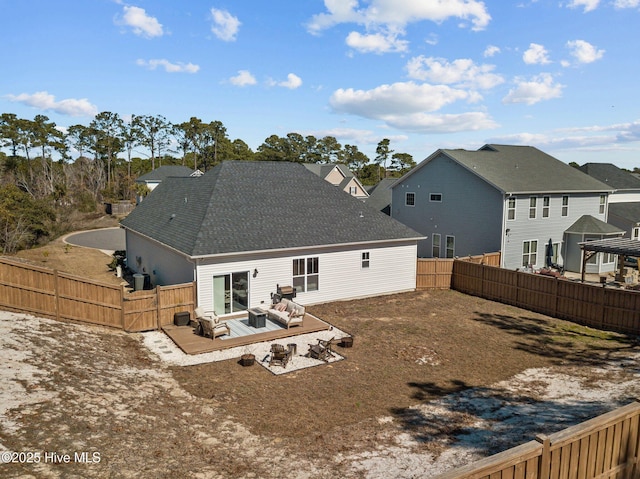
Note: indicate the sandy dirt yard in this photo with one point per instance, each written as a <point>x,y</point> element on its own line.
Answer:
<point>81,401</point>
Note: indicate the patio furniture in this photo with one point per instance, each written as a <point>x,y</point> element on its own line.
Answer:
<point>322,350</point>
<point>280,356</point>
<point>257,317</point>
<point>287,312</point>
<point>209,325</point>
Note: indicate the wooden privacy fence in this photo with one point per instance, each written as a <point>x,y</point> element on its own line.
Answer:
<point>605,447</point>
<point>590,305</point>
<point>53,294</point>
<point>436,273</point>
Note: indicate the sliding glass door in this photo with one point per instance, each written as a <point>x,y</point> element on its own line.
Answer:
<point>231,292</point>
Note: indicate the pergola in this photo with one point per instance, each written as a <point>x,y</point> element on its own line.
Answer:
<point>620,246</point>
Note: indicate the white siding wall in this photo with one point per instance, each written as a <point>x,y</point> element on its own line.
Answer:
<point>165,266</point>
<point>541,229</point>
<point>392,269</point>
<point>624,197</point>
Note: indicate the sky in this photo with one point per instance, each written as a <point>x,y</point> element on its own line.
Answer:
<point>559,75</point>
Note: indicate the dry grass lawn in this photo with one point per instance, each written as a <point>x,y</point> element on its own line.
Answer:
<point>409,349</point>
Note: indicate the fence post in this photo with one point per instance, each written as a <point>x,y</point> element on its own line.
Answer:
<point>604,307</point>
<point>158,308</point>
<point>122,312</point>
<point>56,292</point>
<point>545,458</point>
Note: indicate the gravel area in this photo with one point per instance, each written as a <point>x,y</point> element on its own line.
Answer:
<point>166,350</point>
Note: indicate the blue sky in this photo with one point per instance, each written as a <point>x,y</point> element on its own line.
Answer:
<point>559,75</point>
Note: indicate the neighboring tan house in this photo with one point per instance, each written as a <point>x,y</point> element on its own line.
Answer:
<point>246,227</point>
<point>512,199</point>
<point>624,203</point>
<point>157,176</point>
<point>341,176</point>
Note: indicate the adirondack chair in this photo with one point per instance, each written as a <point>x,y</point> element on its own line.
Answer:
<point>322,350</point>
<point>280,356</point>
<point>209,325</point>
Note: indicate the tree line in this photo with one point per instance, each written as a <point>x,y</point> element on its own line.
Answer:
<point>48,172</point>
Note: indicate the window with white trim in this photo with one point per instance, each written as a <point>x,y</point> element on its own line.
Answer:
<point>533,207</point>
<point>636,233</point>
<point>511,209</point>
<point>435,245</point>
<point>529,253</point>
<point>603,204</point>
<point>546,201</point>
<point>353,190</point>
<point>410,199</point>
<point>365,259</point>
<point>306,274</point>
<point>565,205</point>
<point>451,246</point>
<point>437,197</point>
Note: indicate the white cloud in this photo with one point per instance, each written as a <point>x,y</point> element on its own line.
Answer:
<point>47,102</point>
<point>292,82</point>
<point>396,99</point>
<point>491,50</point>
<point>587,138</point>
<point>243,78</point>
<point>225,26</point>
<point>376,43</point>
<point>399,13</point>
<point>451,123</point>
<point>626,3</point>
<point>168,66</point>
<point>141,23</point>
<point>589,5</point>
<point>584,52</point>
<point>541,87</point>
<point>462,72</point>
<point>410,107</point>
<point>536,55</point>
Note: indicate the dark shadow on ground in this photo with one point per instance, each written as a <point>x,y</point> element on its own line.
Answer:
<point>489,420</point>
<point>562,341</point>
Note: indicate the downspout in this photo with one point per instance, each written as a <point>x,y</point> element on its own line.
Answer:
<point>503,232</point>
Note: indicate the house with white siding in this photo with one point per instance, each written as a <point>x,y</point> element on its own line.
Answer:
<point>514,199</point>
<point>624,203</point>
<point>244,228</point>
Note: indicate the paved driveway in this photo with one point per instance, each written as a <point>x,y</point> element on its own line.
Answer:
<point>105,239</point>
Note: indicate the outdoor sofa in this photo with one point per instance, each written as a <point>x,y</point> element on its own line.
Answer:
<point>287,313</point>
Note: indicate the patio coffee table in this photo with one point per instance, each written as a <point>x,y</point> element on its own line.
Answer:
<point>257,317</point>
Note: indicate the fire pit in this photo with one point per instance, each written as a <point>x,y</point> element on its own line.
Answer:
<point>247,359</point>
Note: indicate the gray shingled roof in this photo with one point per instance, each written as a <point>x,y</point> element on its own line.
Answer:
<point>522,169</point>
<point>628,210</point>
<point>243,206</point>
<point>163,172</point>
<point>380,194</point>
<point>587,224</point>
<point>612,175</point>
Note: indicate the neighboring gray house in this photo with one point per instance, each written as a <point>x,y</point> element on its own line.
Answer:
<point>245,227</point>
<point>339,175</point>
<point>512,199</point>
<point>624,203</point>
